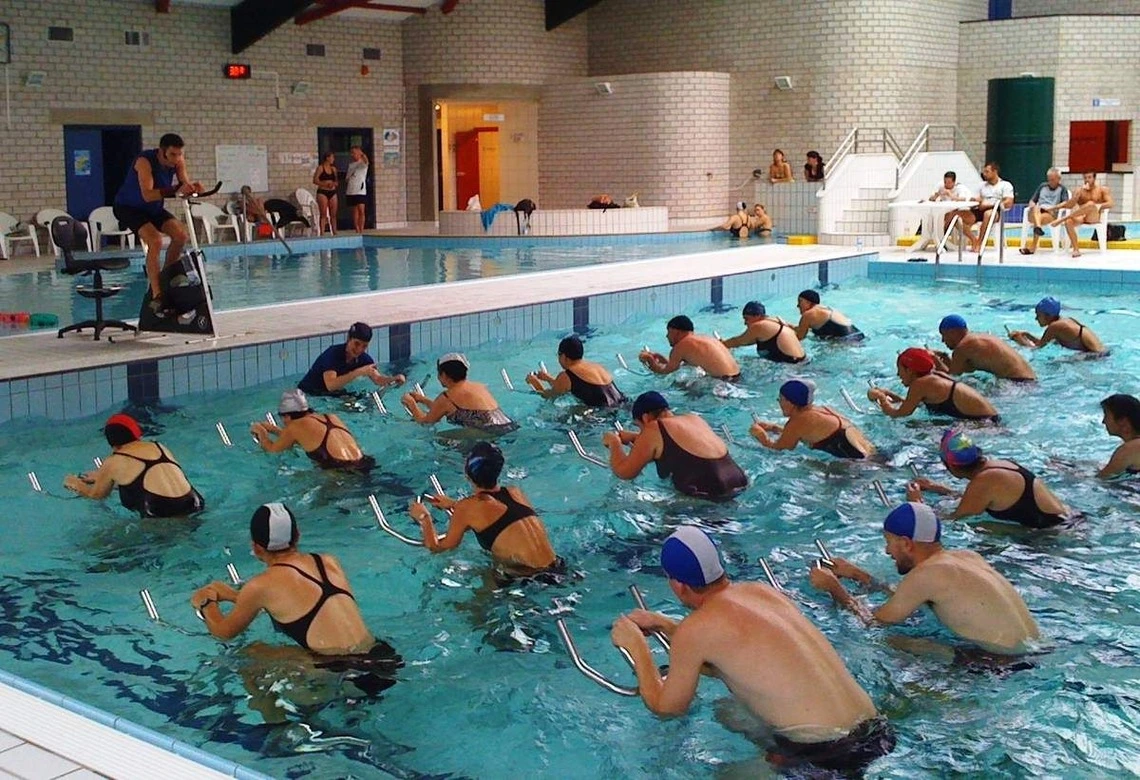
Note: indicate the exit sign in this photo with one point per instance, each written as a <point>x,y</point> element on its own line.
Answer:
<point>236,70</point>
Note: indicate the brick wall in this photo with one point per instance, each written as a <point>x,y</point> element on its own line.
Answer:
<point>1063,7</point>
<point>1083,65</point>
<point>176,85</point>
<point>662,135</point>
<point>496,44</point>
<point>872,63</point>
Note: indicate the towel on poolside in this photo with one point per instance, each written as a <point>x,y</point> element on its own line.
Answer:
<point>488,216</point>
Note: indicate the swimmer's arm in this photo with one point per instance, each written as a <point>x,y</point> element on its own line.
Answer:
<point>432,540</point>
<point>743,340</point>
<point>1117,464</point>
<point>673,695</point>
<point>285,439</point>
<point>334,383</point>
<point>789,436</point>
<point>665,367</point>
<point>912,592</point>
<point>146,181</point>
<point>906,407</point>
<point>438,410</point>
<point>1048,337</point>
<point>802,328</point>
<point>246,606</point>
<point>973,503</point>
<point>628,465</point>
<point>559,385</point>
<point>959,363</point>
<point>97,486</point>
<point>827,581</point>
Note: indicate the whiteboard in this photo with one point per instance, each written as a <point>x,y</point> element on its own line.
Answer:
<point>238,165</point>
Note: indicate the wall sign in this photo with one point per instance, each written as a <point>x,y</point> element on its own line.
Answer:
<point>81,162</point>
<point>1106,102</point>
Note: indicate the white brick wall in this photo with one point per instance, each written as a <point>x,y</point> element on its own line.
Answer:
<point>1085,7</point>
<point>178,80</point>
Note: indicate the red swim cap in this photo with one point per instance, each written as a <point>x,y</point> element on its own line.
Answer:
<point>127,422</point>
<point>917,360</point>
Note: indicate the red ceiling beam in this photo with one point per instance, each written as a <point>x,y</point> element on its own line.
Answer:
<point>327,8</point>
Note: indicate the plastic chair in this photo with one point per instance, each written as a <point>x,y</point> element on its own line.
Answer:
<point>70,235</point>
<point>44,219</point>
<point>104,224</point>
<point>309,209</point>
<point>283,214</point>
<point>245,227</point>
<point>1057,234</point>
<point>1102,230</point>
<point>12,230</point>
<point>215,220</point>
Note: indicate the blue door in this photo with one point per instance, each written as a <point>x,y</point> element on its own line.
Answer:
<point>83,161</point>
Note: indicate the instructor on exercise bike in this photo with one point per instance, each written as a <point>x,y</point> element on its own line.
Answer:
<point>140,206</point>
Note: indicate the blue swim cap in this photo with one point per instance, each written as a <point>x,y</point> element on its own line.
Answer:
<point>754,309</point>
<point>952,322</point>
<point>648,402</point>
<point>958,449</point>
<point>690,557</point>
<point>915,521</point>
<point>798,391</point>
<point>1050,307</point>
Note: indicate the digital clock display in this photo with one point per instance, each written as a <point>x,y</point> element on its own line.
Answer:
<point>235,70</point>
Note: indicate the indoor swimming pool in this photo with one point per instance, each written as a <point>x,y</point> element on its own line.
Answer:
<point>487,690</point>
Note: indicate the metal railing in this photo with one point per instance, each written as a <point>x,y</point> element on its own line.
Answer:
<point>929,138</point>
<point>857,141</point>
<point>956,223</point>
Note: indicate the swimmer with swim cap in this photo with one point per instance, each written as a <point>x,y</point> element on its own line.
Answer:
<point>820,427</point>
<point>704,352</point>
<point>587,381</point>
<point>966,594</point>
<point>463,402</point>
<point>978,352</point>
<point>826,323</point>
<point>1003,489</point>
<point>774,339</point>
<point>149,479</point>
<point>323,437</point>
<point>819,716</point>
<point>1066,331</point>
<point>916,372</point>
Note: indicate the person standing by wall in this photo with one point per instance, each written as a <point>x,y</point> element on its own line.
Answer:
<point>325,179</point>
<point>356,187</point>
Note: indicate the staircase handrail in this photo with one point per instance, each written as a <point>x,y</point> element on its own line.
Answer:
<point>850,145</point>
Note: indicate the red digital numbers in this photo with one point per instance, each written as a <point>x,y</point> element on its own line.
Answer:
<point>236,70</point>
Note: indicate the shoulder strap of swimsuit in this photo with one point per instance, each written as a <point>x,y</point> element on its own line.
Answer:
<point>304,573</point>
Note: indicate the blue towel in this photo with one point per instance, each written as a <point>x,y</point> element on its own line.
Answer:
<point>488,216</point>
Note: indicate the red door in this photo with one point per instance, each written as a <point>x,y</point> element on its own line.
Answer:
<point>1088,146</point>
<point>466,167</point>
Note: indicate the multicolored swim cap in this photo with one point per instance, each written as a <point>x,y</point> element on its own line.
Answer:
<point>958,449</point>
<point>798,391</point>
<point>917,360</point>
<point>952,322</point>
<point>690,557</point>
<point>1050,307</point>
<point>914,520</point>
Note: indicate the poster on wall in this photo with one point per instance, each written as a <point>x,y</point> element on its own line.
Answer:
<point>239,164</point>
<point>391,159</point>
<point>81,162</point>
<point>391,138</point>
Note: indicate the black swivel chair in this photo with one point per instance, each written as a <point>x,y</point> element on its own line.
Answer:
<point>70,236</point>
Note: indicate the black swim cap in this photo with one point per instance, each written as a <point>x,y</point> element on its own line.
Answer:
<point>754,309</point>
<point>484,464</point>
<point>360,330</point>
<point>571,347</point>
<point>651,401</point>
<point>811,296</point>
<point>680,322</point>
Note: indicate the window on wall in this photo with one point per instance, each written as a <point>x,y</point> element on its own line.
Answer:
<point>1097,146</point>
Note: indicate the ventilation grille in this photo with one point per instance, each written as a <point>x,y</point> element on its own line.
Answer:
<point>61,34</point>
<point>371,54</point>
<point>314,49</point>
<point>136,38</point>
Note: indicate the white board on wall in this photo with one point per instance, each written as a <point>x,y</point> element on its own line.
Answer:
<point>241,164</point>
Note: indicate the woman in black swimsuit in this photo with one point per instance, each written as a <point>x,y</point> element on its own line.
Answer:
<point>504,522</point>
<point>589,382</point>
<point>463,402</point>
<point>325,439</point>
<point>308,598</point>
<point>820,427</point>
<point>916,371</point>
<point>325,178</point>
<point>824,322</point>
<point>775,339</point>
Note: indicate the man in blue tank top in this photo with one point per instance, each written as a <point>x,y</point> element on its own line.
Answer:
<point>140,205</point>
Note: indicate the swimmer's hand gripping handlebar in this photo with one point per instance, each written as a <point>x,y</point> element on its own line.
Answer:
<point>589,671</point>
<point>382,522</point>
<point>640,601</point>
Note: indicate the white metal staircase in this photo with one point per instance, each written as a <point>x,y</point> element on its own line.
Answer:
<point>857,188</point>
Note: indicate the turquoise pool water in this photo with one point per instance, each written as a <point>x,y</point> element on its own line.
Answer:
<point>473,701</point>
<point>260,280</point>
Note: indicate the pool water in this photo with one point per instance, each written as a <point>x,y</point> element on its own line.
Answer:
<point>259,280</point>
<point>488,690</point>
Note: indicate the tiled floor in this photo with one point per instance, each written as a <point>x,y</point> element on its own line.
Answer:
<point>20,759</point>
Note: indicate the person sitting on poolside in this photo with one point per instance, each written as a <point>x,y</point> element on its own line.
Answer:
<point>150,481</point>
<point>502,519</point>
<point>1066,331</point>
<point>1086,204</point>
<point>704,352</point>
<point>923,383</point>
<point>342,364</point>
<point>820,718</point>
<point>686,449</point>
<point>589,382</point>
<point>775,339</point>
<point>1003,489</point>
<point>1043,205</point>
<point>820,427</point>
<point>967,595</point>
<point>824,322</point>
<point>978,352</point>
<point>1122,419</point>
<point>463,402</point>
<point>323,437</point>
<point>308,598</point>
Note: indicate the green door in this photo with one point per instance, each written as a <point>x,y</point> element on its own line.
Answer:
<point>1019,131</point>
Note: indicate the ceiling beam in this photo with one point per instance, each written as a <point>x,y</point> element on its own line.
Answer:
<point>448,6</point>
<point>252,20</point>
<point>561,11</point>
<point>400,9</point>
<point>327,8</point>
<point>162,6</point>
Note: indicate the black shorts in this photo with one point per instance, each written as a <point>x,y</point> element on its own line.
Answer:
<point>868,741</point>
<point>356,200</point>
<point>978,213</point>
<point>162,506</point>
<point>327,193</point>
<point>133,218</point>
<point>978,661</point>
<point>372,672</point>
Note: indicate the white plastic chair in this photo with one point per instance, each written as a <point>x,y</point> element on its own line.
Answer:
<point>1057,234</point>
<point>44,218</point>
<point>245,227</point>
<point>12,230</point>
<point>1102,230</point>
<point>215,220</point>
<point>308,208</point>
<point>102,223</point>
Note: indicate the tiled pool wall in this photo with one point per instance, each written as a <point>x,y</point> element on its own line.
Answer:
<point>78,394</point>
<point>1087,279</point>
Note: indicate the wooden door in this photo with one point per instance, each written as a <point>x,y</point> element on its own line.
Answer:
<point>1088,146</point>
<point>466,167</point>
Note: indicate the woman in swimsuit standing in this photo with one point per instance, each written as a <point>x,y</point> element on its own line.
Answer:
<point>323,437</point>
<point>820,427</point>
<point>502,519</point>
<point>325,179</point>
<point>463,402</point>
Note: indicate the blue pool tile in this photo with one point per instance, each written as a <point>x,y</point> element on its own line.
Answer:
<point>19,386</point>
<point>165,385</point>
<point>36,383</point>
<point>20,406</point>
<point>210,377</point>
<point>53,381</point>
<point>194,379</point>
<point>37,403</point>
<point>71,400</point>
<point>253,374</point>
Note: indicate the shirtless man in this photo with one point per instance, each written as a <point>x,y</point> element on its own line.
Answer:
<point>995,191</point>
<point>323,437</point>
<point>824,322</point>
<point>821,719</point>
<point>1122,419</point>
<point>942,395</point>
<point>1003,489</point>
<point>1087,202</point>
<point>704,352</point>
<point>978,352</point>
<point>684,447</point>
<point>819,427</point>
<point>150,481</point>
<point>968,595</point>
<point>587,381</point>
<point>774,339</point>
<point>1066,331</point>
